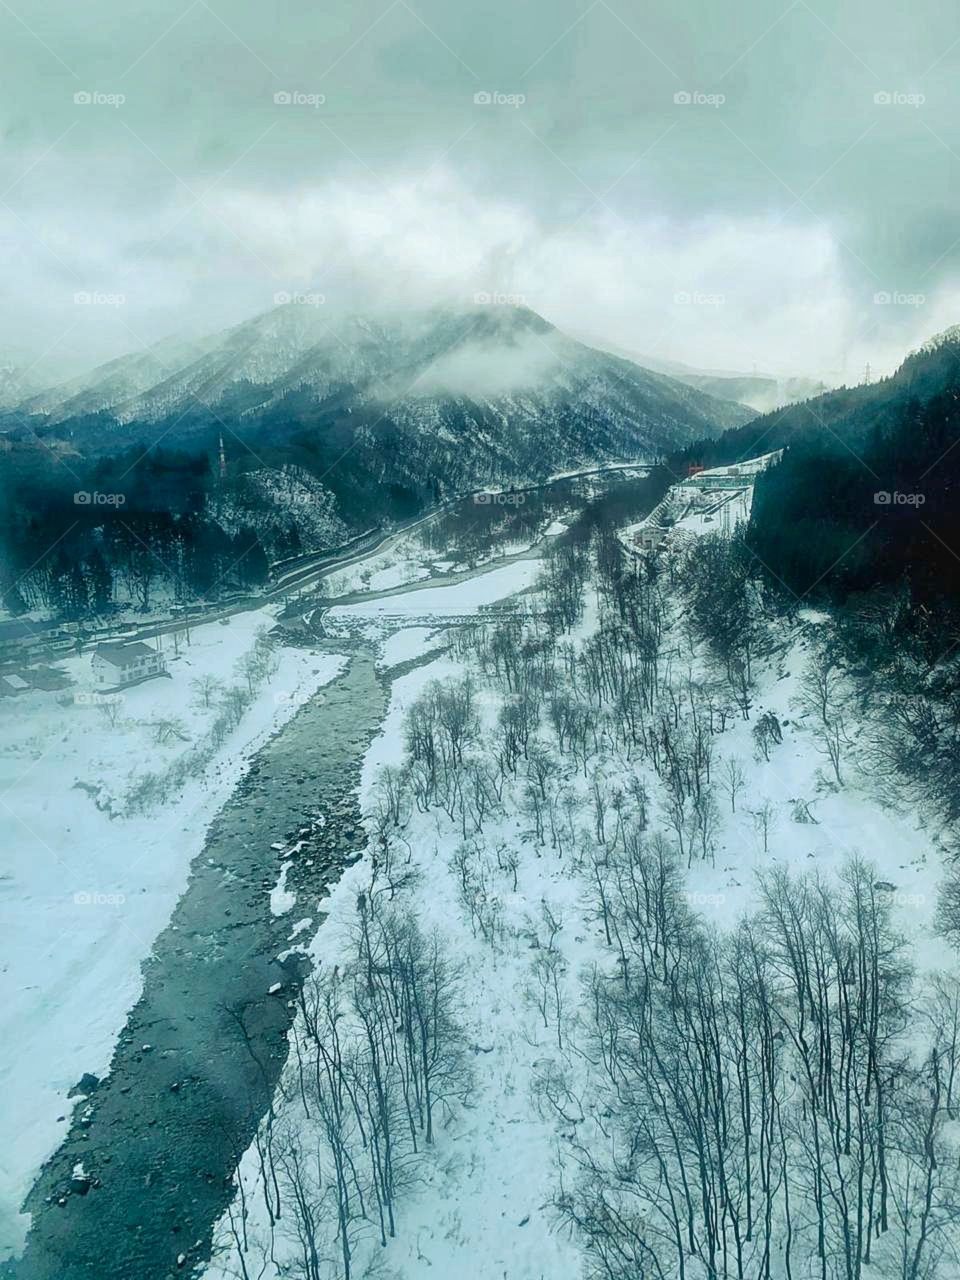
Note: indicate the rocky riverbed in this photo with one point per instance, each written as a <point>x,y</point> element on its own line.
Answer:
<point>146,1167</point>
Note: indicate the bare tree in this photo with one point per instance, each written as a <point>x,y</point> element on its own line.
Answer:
<point>733,780</point>
<point>824,697</point>
<point>764,820</point>
<point>206,689</point>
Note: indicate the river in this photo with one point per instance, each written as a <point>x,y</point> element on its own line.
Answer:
<point>197,1062</point>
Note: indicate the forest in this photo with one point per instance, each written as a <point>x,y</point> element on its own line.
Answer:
<point>864,497</point>
<point>763,1093</point>
<point>80,538</point>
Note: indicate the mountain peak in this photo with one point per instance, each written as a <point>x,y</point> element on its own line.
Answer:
<point>305,357</point>
<point>948,337</point>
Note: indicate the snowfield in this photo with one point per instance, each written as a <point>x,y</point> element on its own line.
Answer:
<point>407,561</point>
<point>396,566</point>
<point>410,642</point>
<point>84,896</point>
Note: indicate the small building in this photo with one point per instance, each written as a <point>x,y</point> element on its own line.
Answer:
<point>24,638</point>
<point>727,479</point>
<point>120,664</point>
<point>648,538</point>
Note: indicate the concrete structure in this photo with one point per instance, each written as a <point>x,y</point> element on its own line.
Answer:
<point>729,478</point>
<point>648,538</point>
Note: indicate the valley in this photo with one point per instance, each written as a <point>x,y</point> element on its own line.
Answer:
<point>479,641</point>
<point>506,768</point>
<point>200,1051</point>
<point>516,856</point>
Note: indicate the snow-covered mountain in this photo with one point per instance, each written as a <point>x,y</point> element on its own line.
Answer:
<point>112,385</point>
<point>491,355</point>
<point>387,412</point>
<point>266,499</point>
<point>18,378</point>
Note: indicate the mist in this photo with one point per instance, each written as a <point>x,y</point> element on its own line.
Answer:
<point>771,191</point>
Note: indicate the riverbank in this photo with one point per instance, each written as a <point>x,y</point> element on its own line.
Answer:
<point>94,866</point>
<point>196,1063</point>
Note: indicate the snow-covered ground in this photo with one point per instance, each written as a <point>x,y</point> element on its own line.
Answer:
<point>410,642</point>
<point>408,561</point>
<point>84,894</point>
<point>723,511</point>
<point>381,618</point>
<point>482,1204</point>
<point>748,467</point>
<point>403,562</point>
<point>685,512</point>
<point>484,1209</point>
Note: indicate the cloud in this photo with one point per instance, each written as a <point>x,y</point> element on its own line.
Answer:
<point>714,292</point>
<point>482,369</point>
<point>709,290</point>
<point>618,183</point>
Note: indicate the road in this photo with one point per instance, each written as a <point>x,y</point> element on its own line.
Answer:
<point>317,566</point>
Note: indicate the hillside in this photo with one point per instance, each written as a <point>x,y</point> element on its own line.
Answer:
<point>761,392</point>
<point>493,362</point>
<point>294,429</point>
<point>853,413</point>
<point>865,494</point>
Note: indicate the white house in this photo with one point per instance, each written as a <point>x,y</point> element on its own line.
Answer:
<point>117,664</point>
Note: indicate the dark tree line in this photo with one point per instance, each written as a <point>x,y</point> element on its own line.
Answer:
<point>78,536</point>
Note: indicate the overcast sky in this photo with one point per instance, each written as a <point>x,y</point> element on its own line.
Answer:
<point>751,225</point>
